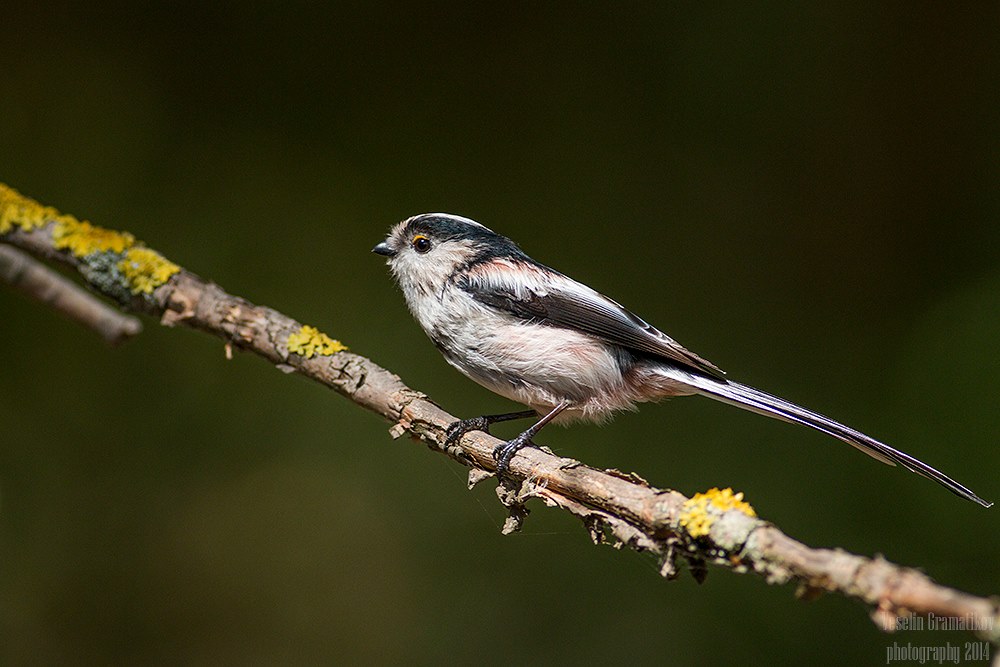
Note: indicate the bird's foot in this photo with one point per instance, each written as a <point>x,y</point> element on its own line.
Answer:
<point>457,429</point>
<point>505,451</point>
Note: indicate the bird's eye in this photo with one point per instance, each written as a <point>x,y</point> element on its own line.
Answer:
<point>421,244</point>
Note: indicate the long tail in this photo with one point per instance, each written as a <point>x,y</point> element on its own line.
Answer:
<point>757,401</point>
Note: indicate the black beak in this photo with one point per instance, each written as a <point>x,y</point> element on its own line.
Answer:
<point>384,249</point>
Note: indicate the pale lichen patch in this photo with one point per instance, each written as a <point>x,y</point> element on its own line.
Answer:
<point>702,510</point>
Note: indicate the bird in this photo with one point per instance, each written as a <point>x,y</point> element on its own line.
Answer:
<point>540,338</point>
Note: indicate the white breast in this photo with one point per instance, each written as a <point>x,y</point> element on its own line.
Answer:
<point>534,364</point>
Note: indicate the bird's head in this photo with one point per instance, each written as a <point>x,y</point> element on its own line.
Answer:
<point>425,251</point>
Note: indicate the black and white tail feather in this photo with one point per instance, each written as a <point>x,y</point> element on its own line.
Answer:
<point>754,400</point>
<point>538,337</point>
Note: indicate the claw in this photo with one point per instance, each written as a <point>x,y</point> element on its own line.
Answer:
<point>504,452</point>
<point>458,429</point>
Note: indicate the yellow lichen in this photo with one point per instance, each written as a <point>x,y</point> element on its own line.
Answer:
<point>16,210</point>
<point>68,233</point>
<point>701,511</point>
<point>146,269</point>
<point>310,341</point>
<point>83,238</point>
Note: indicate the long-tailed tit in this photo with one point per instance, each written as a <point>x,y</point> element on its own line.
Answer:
<point>538,337</point>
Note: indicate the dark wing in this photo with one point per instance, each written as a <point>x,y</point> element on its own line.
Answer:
<point>557,300</point>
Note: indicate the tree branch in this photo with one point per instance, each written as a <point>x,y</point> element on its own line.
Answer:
<point>716,527</point>
<point>42,283</point>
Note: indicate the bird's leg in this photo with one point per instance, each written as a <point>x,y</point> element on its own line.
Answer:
<point>457,429</point>
<point>504,452</point>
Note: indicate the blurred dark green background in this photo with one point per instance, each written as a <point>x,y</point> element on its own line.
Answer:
<point>805,194</point>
